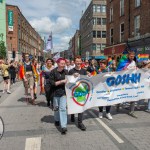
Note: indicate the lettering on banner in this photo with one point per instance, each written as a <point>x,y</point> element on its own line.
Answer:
<point>123,79</point>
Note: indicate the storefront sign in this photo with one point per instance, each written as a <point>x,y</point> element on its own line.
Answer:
<point>10,20</point>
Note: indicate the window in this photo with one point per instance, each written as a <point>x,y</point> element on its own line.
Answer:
<point>103,21</point>
<point>103,8</point>
<point>93,46</point>
<point>94,8</point>
<point>103,46</point>
<point>122,32</point>
<point>111,36</point>
<point>98,34</point>
<point>111,14</point>
<point>137,3</point>
<point>98,21</point>
<point>103,34</point>
<point>98,47</point>
<point>121,7</point>
<point>94,21</point>
<point>137,26</point>
<point>94,34</point>
<point>98,8</point>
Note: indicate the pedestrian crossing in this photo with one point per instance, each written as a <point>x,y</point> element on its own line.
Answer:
<point>33,143</point>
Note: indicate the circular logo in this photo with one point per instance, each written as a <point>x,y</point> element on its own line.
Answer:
<point>81,93</point>
<point>1,127</point>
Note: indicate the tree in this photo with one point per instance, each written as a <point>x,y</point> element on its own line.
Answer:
<point>2,49</point>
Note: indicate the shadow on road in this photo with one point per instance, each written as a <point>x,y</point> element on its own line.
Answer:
<point>48,119</point>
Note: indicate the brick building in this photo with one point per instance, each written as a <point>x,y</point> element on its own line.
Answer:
<point>2,21</point>
<point>128,24</point>
<point>93,29</point>
<point>21,36</point>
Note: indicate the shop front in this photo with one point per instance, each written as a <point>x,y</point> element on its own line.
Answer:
<point>115,50</point>
<point>141,44</point>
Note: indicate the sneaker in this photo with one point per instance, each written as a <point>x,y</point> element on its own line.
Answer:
<point>72,118</point>
<point>132,114</point>
<point>4,91</point>
<point>100,115</point>
<point>8,92</point>
<point>63,130</point>
<point>57,123</point>
<point>81,126</point>
<point>108,116</point>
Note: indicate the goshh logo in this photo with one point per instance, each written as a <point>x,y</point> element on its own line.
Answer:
<point>1,127</point>
<point>81,93</point>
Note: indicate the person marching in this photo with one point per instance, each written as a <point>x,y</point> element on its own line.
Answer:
<point>76,72</point>
<point>58,81</point>
<point>46,81</point>
<point>36,76</point>
<point>103,68</point>
<point>126,63</point>
<point>4,69</point>
<point>12,72</point>
<point>92,68</point>
<point>27,73</point>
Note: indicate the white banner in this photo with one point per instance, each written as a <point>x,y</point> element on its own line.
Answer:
<point>106,89</point>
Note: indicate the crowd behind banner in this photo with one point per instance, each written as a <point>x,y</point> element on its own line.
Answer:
<point>51,77</point>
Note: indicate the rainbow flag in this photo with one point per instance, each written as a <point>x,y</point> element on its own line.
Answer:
<point>142,57</point>
<point>110,61</point>
<point>94,73</point>
<point>123,63</point>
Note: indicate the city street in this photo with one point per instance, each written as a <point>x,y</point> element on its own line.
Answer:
<point>30,127</point>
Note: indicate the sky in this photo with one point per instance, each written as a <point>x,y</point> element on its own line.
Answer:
<point>61,17</point>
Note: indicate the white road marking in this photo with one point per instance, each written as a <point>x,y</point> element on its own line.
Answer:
<point>33,143</point>
<point>116,137</point>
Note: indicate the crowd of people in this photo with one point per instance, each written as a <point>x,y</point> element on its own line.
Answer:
<point>10,73</point>
<point>51,76</point>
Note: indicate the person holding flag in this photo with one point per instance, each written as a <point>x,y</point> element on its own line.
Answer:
<point>92,68</point>
<point>27,73</point>
<point>126,63</point>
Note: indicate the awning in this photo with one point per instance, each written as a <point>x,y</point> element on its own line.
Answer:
<point>115,49</point>
<point>100,57</point>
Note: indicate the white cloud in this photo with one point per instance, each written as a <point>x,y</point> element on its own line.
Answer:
<point>45,25</point>
<point>60,16</point>
<point>63,45</point>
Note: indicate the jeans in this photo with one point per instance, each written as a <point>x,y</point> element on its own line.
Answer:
<point>149,104</point>
<point>60,112</point>
<point>107,109</point>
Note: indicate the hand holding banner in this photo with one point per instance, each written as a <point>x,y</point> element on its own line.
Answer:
<point>107,89</point>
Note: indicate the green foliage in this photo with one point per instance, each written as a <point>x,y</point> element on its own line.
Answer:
<point>2,50</point>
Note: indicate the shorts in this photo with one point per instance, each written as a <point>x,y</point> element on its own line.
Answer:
<point>6,78</point>
<point>29,82</point>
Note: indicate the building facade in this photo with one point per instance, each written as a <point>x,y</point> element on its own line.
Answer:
<point>76,43</point>
<point>3,21</point>
<point>93,29</point>
<point>128,25</point>
<point>21,36</point>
